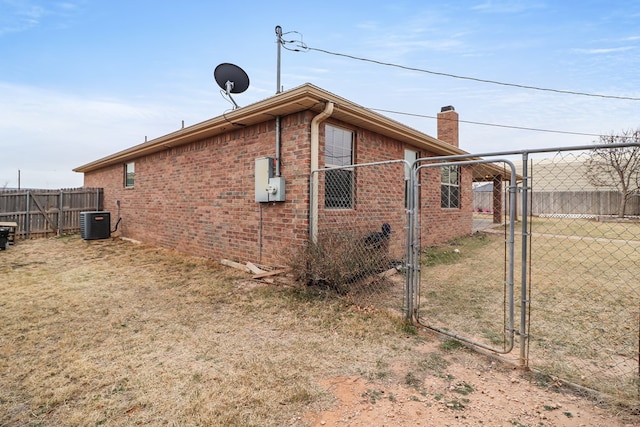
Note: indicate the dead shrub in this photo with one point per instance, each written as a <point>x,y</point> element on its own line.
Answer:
<point>338,260</point>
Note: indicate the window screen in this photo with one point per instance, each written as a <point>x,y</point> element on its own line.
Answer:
<point>339,182</point>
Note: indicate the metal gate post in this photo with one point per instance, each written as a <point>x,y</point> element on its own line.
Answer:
<point>415,242</point>
<point>524,300</point>
<point>412,247</point>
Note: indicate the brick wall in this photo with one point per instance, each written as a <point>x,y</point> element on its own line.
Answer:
<point>200,198</point>
<point>438,225</point>
<point>380,195</point>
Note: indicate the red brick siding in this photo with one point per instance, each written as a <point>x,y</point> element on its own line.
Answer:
<point>199,198</point>
<point>438,225</point>
<point>378,192</point>
<point>380,195</point>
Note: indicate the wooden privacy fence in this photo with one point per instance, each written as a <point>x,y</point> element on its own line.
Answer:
<point>565,203</point>
<point>43,213</point>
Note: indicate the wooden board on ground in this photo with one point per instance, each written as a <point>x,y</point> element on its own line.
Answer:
<point>235,265</point>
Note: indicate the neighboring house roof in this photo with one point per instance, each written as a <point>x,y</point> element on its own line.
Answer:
<point>483,188</point>
<point>305,97</point>
<point>560,174</point>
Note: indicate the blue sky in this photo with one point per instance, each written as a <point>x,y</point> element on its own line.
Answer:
<point>82,79</point>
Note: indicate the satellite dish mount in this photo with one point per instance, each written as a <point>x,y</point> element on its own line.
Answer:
<point>231,79</point>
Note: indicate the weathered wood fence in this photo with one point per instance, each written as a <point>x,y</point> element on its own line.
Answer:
<point>565,203</point>
<point>44,213</point>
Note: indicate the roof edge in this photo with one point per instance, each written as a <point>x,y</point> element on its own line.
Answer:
<point>304,97</point>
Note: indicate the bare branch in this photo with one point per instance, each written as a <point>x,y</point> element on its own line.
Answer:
<point>617,168</point>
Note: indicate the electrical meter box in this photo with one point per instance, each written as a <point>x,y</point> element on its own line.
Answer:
<point>268,188</point>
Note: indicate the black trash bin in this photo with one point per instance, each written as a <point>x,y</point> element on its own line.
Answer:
<point>4,238</point>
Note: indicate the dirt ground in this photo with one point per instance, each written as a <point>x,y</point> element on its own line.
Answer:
<point>168,340</point>
<point>490,395</point>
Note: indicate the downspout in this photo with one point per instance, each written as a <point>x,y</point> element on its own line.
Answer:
<point>315,161</point>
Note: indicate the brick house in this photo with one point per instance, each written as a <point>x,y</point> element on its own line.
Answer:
<point>199,189</point>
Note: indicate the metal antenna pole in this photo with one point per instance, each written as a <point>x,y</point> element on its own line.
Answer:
<point>229,86</point>
<point>279,36</point>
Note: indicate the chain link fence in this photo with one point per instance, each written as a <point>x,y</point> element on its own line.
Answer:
<point>522,256</point>
<point>359,235</point>
<point>584,278</point>
<point>576,265</point>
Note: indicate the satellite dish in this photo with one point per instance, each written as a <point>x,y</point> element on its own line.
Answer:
<point>232,79</point>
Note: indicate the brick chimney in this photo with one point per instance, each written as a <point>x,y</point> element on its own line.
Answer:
<point>448,125</point>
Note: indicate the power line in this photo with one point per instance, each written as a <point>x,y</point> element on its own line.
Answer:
<point>304,47</point>
<point>493,124</point>
<point>301,46</point>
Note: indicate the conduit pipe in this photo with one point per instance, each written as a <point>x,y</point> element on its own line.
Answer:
<point>315,161</point>
<point>278,145</point>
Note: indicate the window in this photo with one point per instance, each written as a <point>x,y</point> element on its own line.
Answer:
<point>338,151</point>
<point>129,173</point>
<point>450,187</point>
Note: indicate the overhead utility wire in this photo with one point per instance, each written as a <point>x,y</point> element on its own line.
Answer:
<point>491,124</point>
<point>304,47</point>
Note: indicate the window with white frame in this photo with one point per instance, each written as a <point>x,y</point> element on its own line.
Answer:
<point>129,174</point>
<point>450,187</point>
<point>338,151</point>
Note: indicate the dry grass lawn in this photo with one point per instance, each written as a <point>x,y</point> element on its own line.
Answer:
<point>111,333</point>
<point>584,293</point>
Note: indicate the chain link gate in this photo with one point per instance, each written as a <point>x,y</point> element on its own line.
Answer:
<point>530,262</point>
<point>576,265</point>
<point>464,270</point>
